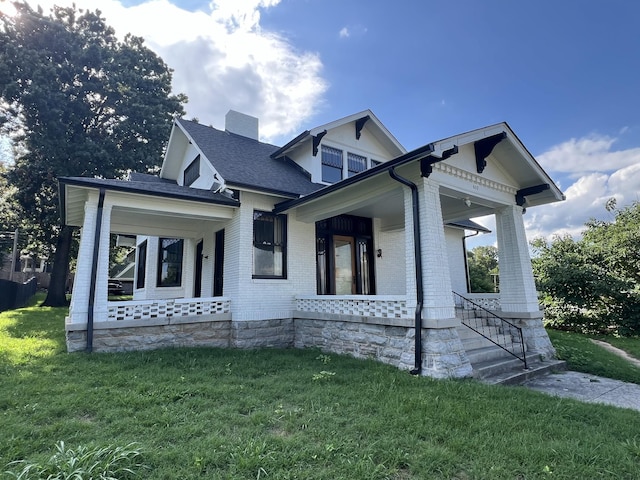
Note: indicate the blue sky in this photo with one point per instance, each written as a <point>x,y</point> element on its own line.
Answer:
<point>565,75</point>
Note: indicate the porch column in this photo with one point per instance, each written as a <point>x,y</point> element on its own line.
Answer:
<point>100,306</point>
<point>82,278</point>
<point>518,295</point>
<point>443,353</point>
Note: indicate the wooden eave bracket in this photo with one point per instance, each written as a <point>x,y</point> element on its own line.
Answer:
<point>426,163</point>
<point>524,192</point>
<point>359,126</point>
<point>484,147</point>
<point>316,141</point>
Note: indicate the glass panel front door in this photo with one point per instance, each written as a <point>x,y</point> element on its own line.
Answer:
<point>343,250</point>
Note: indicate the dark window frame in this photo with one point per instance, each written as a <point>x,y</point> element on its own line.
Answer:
<point>141,266</point>
<point>330,164</point>
<point>355,164</point>
<point>265,240</point>
<point>192,172</point>
<point>160,281</point>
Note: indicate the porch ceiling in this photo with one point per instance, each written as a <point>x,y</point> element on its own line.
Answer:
<point>387,203</point>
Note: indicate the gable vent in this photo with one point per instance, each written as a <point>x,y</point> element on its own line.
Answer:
<point>241,124</point>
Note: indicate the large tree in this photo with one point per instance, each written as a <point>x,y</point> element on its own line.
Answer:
<point>88,104</point>
<point>592,284</point>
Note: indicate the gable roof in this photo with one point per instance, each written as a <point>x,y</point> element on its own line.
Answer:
<point>366,117</point>
<point>245,162</point>
<point>528,171</point>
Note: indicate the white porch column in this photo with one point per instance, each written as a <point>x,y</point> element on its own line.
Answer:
<point>518,295</point>
<point>82,279</point>
<point>436,276</point>
<point>410,261</point>
<point>517,286</point>
<point>443,355</point>
<point>100,306</point>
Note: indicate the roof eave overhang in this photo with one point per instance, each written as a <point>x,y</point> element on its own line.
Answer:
<point>65,183</point>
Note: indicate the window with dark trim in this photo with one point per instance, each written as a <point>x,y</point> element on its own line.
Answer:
<point>192,172</point>
<point>269,245</point>
<point>141,266</point>
<point>356,163</point>
<point>331,164</point>
<point>170,262</point>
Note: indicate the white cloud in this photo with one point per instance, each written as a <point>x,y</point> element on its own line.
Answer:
<point>592,153</point>
<point>344,32</point>
<point>223,59</point>
<point>603,174</point>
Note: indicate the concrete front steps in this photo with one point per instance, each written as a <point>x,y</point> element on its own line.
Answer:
<point>493,365</point>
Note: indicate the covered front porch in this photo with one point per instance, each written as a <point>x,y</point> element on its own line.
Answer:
<point>186,312</point>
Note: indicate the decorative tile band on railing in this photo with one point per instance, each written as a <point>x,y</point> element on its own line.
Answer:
<point>148,309</point>
<point>490,301</point>
<point>365,306</point>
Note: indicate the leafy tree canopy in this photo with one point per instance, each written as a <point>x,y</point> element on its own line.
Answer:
<point>79,102</point>
<point>593,284</point>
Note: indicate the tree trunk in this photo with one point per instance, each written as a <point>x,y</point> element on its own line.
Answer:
<point>56,295</point>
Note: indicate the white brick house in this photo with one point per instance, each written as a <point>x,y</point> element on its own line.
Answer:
<point>245,244</point>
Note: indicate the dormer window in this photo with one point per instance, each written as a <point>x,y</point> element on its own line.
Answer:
<point>192,172</point>
<point>331,164</point>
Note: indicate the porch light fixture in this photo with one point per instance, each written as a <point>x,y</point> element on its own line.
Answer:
<point>466,201</point>
<point>379,253</point>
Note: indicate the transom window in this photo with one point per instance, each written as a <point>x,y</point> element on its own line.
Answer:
<point>269,245</point>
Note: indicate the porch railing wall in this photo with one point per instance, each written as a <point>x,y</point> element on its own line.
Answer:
<point>388,306</point>
<point>151,309</point>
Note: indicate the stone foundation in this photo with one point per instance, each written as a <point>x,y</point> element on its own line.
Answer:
<point>184,332</point>
<point>387,340</point>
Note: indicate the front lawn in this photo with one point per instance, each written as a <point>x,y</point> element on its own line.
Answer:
<point>284,414</point>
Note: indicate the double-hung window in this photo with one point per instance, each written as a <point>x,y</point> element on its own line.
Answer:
<point>269,245</point>
<point>331,164</point>
<point>170,262</point>
<point>356,163</point>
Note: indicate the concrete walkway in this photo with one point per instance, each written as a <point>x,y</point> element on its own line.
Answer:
<point>588,388</point>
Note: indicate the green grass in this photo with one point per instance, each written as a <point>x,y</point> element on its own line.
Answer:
<point>582,355</point>
<point>285,414</point>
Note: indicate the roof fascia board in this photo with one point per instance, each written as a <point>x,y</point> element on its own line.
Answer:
<point>122,188</point>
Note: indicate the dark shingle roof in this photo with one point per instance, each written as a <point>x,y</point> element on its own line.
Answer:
<point>152,185</point>
<point>245,162</point>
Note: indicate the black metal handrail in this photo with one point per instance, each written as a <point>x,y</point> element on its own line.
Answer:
<point>492,326</point>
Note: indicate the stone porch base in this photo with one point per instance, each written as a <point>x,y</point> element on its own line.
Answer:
<point>387,340</point>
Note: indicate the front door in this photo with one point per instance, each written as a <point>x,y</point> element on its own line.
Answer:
<point>344,265</point>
